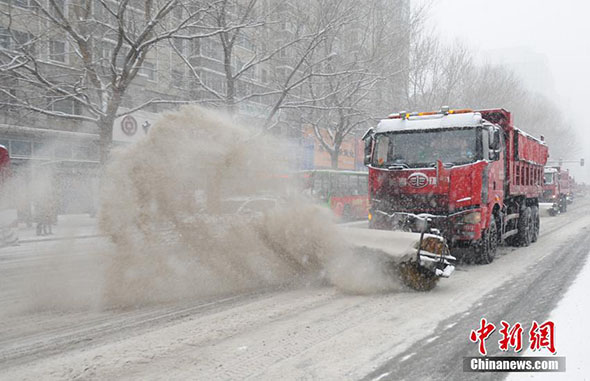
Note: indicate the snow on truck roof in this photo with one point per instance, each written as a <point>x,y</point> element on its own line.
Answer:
<point>530,136</point>
<point>470,119</point>
<point>439,120</point>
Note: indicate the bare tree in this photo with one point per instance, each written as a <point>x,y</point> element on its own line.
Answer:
<point>540,115</point>
<point>266,50</point>
<point>343,94</point>
<point>487,86</point>
<point>88,53</point>
<point>436,72</point>
<point>446,75</point>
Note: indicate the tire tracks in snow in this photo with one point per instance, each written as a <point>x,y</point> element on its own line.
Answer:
<point>15,349</point>
<point>524,299</point>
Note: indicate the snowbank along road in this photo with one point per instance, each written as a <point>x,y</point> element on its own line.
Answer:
<point>313,332</point>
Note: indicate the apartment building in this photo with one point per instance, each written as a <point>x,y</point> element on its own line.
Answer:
<point>175,70</point>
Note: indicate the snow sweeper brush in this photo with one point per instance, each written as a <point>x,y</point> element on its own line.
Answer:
<point>418,259</point>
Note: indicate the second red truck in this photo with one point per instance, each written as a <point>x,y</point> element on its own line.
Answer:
<point>557,189</point>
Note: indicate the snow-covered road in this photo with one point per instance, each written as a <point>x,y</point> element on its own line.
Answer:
<point>306,333</point>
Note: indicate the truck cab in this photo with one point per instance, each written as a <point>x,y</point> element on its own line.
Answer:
<point>556,189</point>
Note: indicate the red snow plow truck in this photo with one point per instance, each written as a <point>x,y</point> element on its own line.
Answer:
<point>474,176</point>
<point>8,213</point>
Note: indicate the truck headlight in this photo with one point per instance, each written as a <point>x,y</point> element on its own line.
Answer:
<point>472,218</point>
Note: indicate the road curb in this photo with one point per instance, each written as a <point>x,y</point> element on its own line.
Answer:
<point>355,224</point>
<point>29,240</point>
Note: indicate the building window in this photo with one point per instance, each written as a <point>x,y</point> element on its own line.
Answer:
<point>104,51</point>
<point>195,47</point>
<point>6,100</point>
<point>13,40</point>
<point>288,26</point>
<point>85,152</point>
<point>148,70</point>
<point>17,3</point>
<point>211,49</point>
<point>264,76</point>
<point>57,51</point>
<point>65,106</point>
<point>41,150</point>
<point>282,73</point>
<point>5,38</point>
<point>23,40</point>
<point>61,5</point>
<point>20,148</point>
<point>214,81</point>
<point>237,63</point>
<point>99,11</point>
<point>63,151</point>
<point>244,42</point>
<point>177,78</point>
<point>177,13</point>
<point>179,45</point>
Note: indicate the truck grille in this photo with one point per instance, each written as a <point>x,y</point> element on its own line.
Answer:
<point>419,203</point>
<point>547,195</point>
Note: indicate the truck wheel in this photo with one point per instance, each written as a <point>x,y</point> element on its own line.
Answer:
<point>486,251</point>
<point>525,227</point>
<point>536,223</point>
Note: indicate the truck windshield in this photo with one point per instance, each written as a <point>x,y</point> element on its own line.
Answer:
<point>549,178</point>
<point>424,148</point>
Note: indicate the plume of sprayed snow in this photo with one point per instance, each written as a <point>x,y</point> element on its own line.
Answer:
<point>171,204</point>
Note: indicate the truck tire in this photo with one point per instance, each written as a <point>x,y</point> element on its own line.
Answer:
<point>525,228</point>
<point>536,223</point>
<point>487,248</point>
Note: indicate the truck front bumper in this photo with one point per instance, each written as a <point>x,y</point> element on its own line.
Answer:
<point>460,227</point>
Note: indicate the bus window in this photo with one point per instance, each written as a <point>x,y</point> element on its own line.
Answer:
<point>355,189</point>
<point>358,185</point>
<point>345,192</point>
<point>344,188</point>
<point>364,185</point>
<point>320,186</point>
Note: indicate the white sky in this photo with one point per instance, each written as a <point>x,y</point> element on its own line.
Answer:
<point>559,30</point>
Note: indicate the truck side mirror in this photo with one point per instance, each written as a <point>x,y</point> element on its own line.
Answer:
<point>494,154</point>
<point>495,139</point>
<point>581,162</point>
<point>368,139</point>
